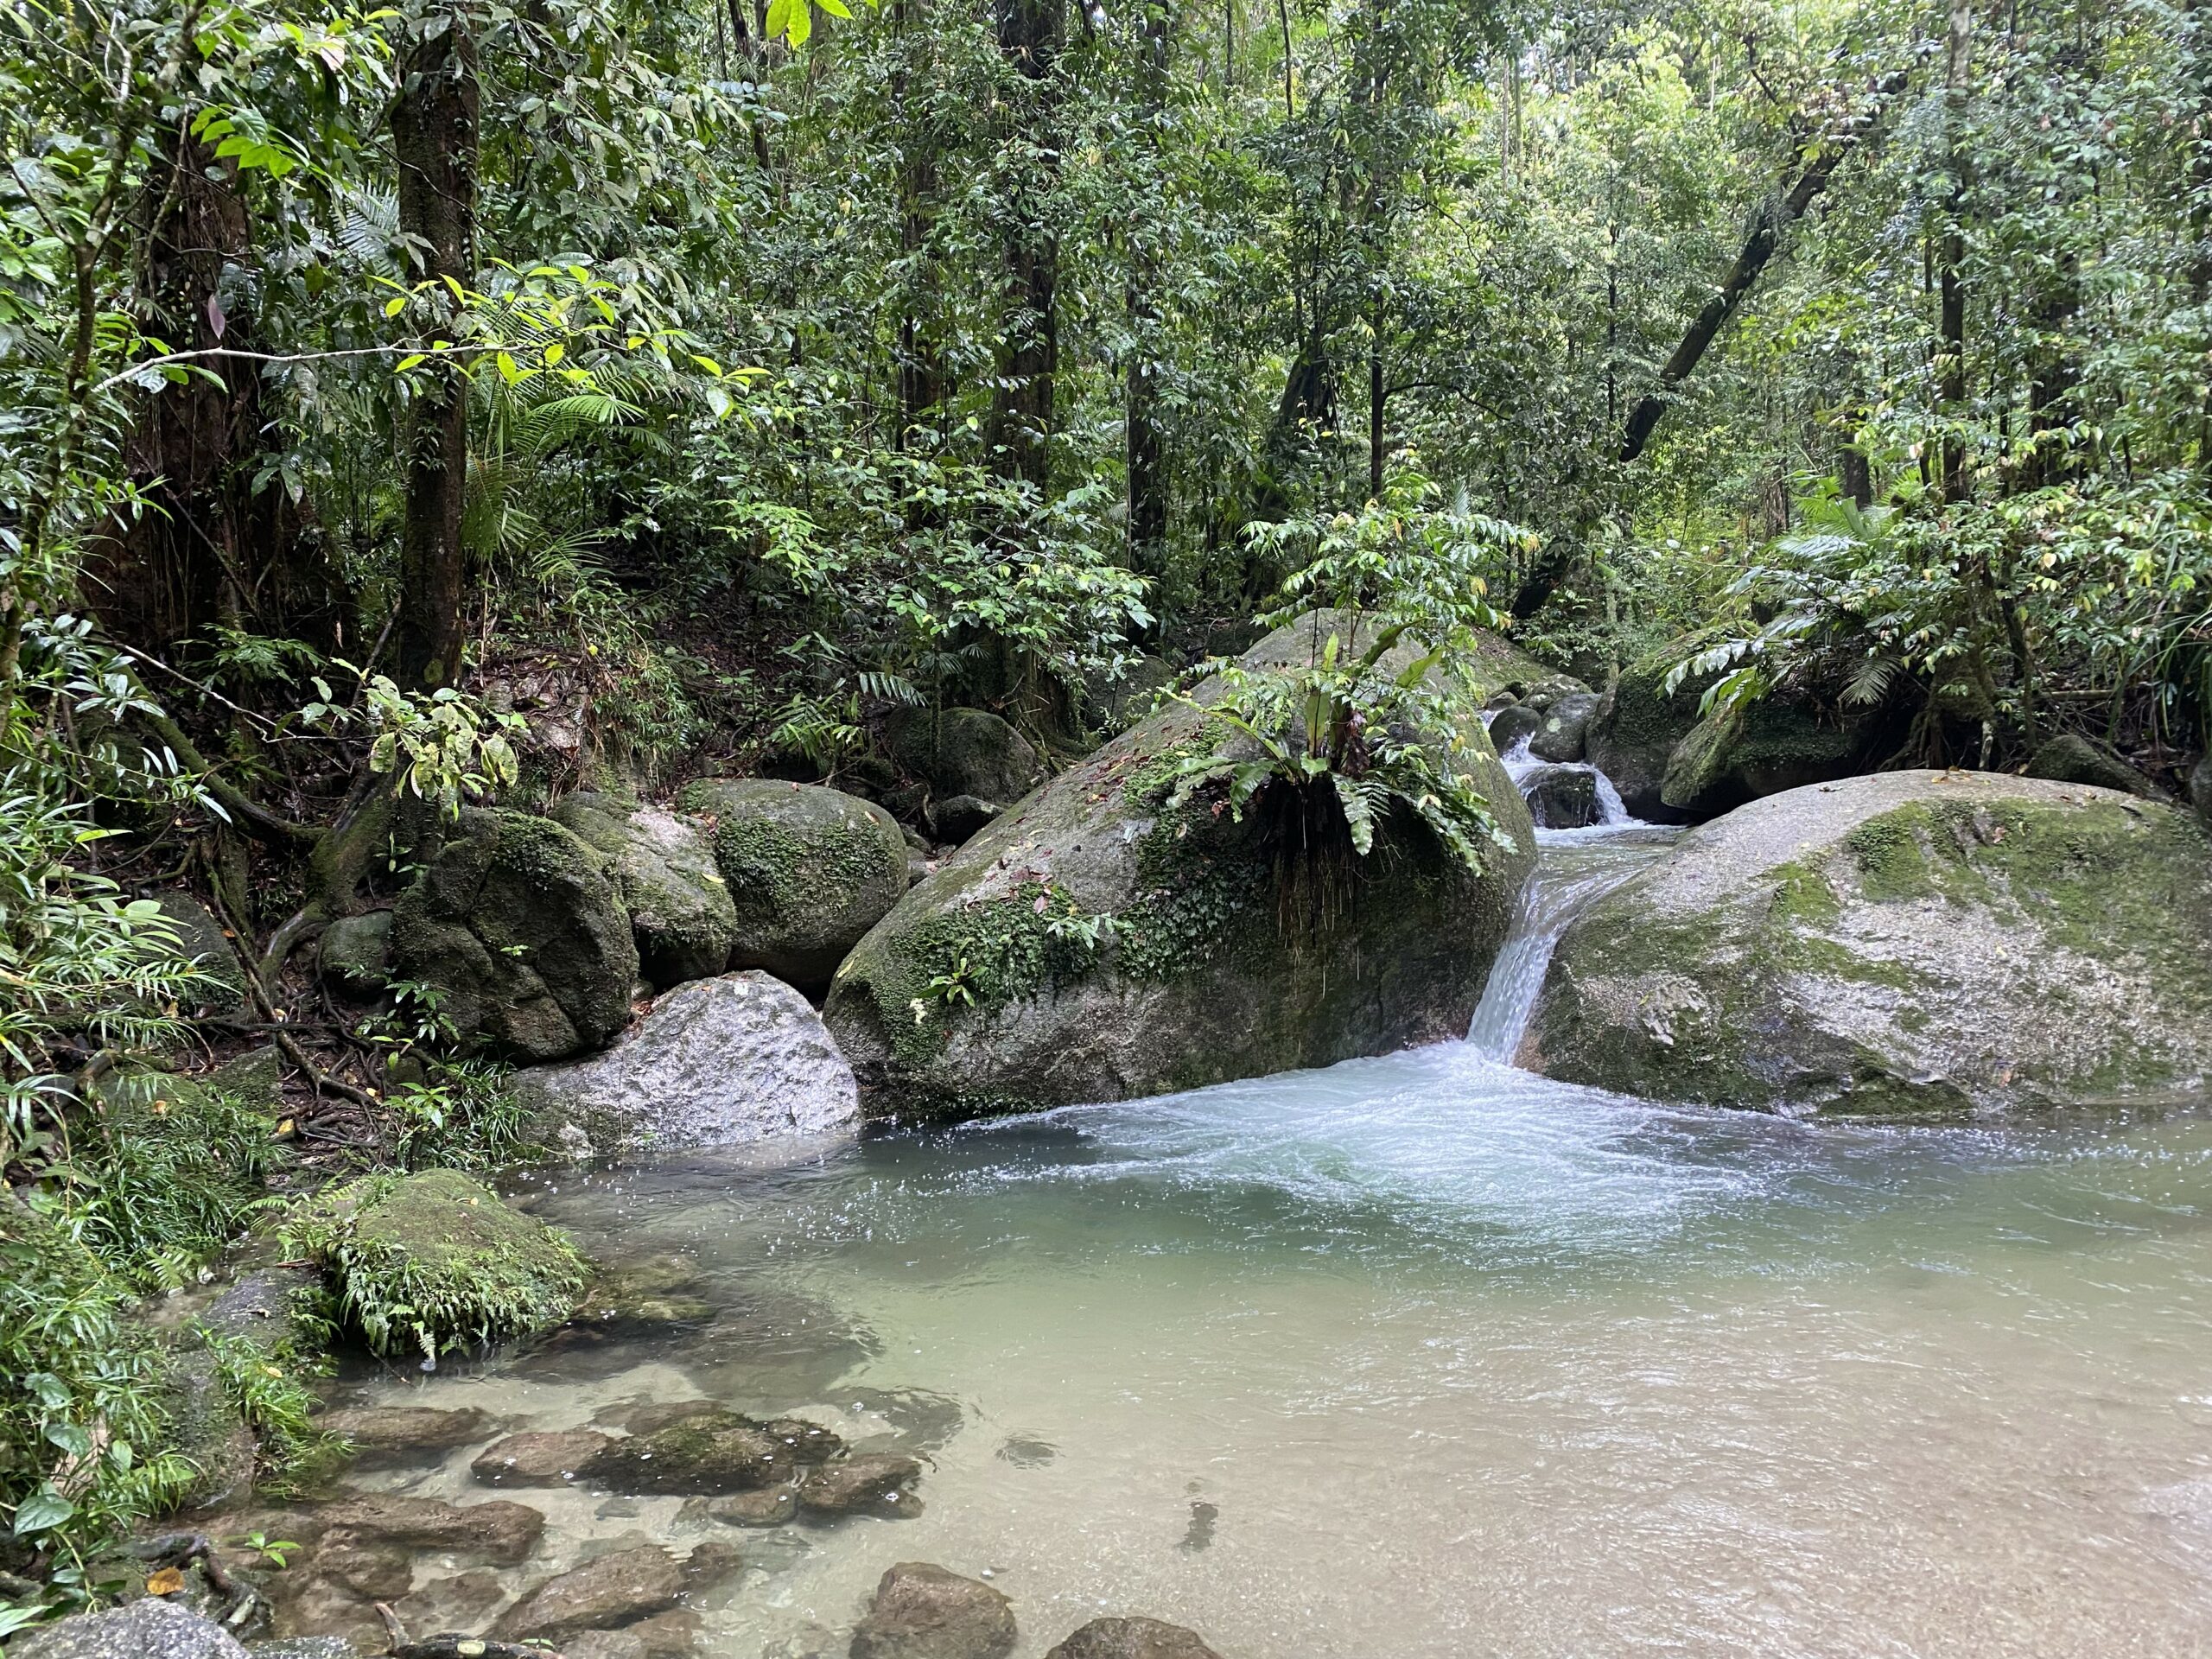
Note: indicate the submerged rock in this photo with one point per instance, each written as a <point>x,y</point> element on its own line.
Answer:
<point>643,1298</point>
<point>680,910</point>
<point>809,870</point>
<point>603,1594</point>
<point>400,1433</point>
<point>147,1629</point>
<point>718,1062</point>
<point>542,1458</point>
<point>1094,945</point>
<point>771,1506</point>
<point>1906,942</point>
<point>923,1611</point>
<point>874,1483</point>
<point>499,1532</point>
<point>707,1454</point>
<point>518,929</point>
<point>1132,1638</point>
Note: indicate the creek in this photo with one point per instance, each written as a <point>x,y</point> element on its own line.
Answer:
<point>1426,1356</point>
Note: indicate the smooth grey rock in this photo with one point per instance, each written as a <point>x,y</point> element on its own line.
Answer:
<point>355,954</point>
<point>1910,942</point>
<point>717,1062</point>
<point>2070,758</point>
<point>967,751</point>
<point>543,1458</point>
<point>147,1629</point>
<point>680,909</point>
<point>1565,723</point>
<point>1513,725</point>
<point>923,1611</point>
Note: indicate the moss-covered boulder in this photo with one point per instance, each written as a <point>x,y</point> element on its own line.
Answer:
<point>809,870</point>
<point>205,942</point>
<point>1094,944</point>
<point>355,954</point>
<point>1744,752</point>
<point>966,752</point>
<point>1633,731</point>
<point>665,871</point>
<point>2070,758</point>
<point>1945,942</point>
<point>435,1261</point>
<point>516,929</point>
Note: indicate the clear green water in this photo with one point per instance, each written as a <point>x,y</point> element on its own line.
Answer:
<point>1424,1357</point>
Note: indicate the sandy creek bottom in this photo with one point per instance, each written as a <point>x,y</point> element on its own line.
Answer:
<point>1423,1356</point>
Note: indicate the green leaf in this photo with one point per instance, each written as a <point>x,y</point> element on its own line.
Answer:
<point>43,1510</point>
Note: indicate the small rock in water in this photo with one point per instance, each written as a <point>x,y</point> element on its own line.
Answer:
<point>1132,1638</point>
<point>871,1483</point>
<point>1025,1453</point>
<point>399,1433</point>
<point>703,1455</point>
<point>601,1595</point>
<point>770,1507</point>
<point>540,1458</point>
<point>923,1611</point>
<point>806,1442</point>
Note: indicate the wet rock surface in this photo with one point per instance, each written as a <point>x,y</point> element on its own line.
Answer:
<point>540,1457</point>
<point>923,1611</point>
<point>1561,797</point>
<point>498,1531</point>
<point>771,1506</point>
<point>1132,1638</point>
<point>401,1434</point>
<point>717,1062</point>
<point>707,1455</point>
<point>1562,727</point>
<point>869,1482</point>
<point>605,1593</point>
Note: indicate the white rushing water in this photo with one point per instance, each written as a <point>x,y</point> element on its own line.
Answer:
<point>1424,1357</point>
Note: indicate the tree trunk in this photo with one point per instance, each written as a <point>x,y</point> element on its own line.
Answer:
<point>1951,303</point>
<point>921,367</point>
<point>1146,452</point>
<point>1819,162</point>
<point>434,136</point>
<point>212,548</point>
<point>1030,33</point>
<point>1378,396</point>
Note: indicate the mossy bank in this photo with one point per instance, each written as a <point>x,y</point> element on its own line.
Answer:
<point>1918,942</point>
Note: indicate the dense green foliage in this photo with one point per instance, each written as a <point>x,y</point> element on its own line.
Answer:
<point>460,400</point>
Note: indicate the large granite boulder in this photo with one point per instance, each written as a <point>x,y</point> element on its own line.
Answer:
<point>2070,758</point>
<point>809,871</point>
<point>517,928</point>
<point>665,871</point>
<point>966,752</point>
<point>1095,944</point>
<point>717,1062</point>
<point>1909,940</point>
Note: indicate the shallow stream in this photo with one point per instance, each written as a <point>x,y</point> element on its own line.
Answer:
<point>1424,1355</point>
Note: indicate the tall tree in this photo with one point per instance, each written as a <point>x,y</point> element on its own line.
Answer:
<point>1029,35</point>
<point>1145,448</point>
<point>435,138</point>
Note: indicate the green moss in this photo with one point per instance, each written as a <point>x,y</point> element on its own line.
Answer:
<point>1195,904</point>
<point>1147,784</point>
<point>1802,898</point>
<point>436,1261</point>
<point>763,861</point>
<point>1891,854</point>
